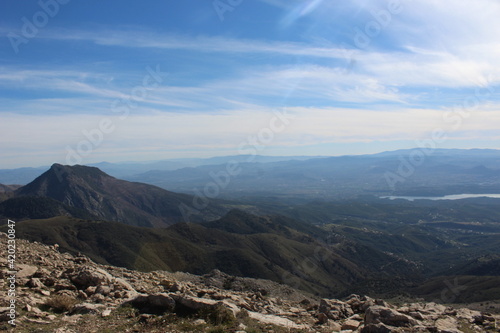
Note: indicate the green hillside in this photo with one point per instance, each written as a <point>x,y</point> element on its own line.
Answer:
<point>278,253</point>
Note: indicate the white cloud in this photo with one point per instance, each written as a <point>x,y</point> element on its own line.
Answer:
<point>158,135</point>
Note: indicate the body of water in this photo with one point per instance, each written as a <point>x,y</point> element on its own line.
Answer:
<point>446,197</point>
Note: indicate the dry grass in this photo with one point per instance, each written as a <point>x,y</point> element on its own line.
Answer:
<point>61,303</point>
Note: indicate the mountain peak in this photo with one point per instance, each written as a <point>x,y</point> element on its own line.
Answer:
<point>108,198</point>
<point>86,172</point>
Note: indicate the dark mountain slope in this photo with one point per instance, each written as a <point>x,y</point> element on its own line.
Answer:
<point>7,191</point>
<point>278,253</point>
<point>8,188</point>
<point>22,208</point>
<point>112,199</point>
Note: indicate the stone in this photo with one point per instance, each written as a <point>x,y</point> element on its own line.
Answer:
<point>274,320</point>
<point>377,328</point>
<point>378,314</point>
<point>49,281</point>
<point>90,290</point>
<point>98,298</point>
<point>89,278</point>
<point>199,322</point>
<point>194,303</point>
<point>4,314</point>
<point>35,283</point>
<point>322,318</point>
<point>447,325</point>
<point>416,315</point>
<point>44,292</point>
<point>350,324</point>
<point>103,290</point>
<point>64,286</point>
<point>87,308</point>
<point>106,313</point>
<point>25,271</point>
<point>335,309</point>
<point>82,294</point>
<point>41,273</point>
<point>121,284</point>
<point>334,326</point>
<point>153,304</point>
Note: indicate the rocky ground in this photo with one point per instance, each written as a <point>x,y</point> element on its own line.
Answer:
<point>60,292</point>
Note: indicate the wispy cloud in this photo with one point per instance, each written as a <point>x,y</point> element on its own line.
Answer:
<point>222,87</point>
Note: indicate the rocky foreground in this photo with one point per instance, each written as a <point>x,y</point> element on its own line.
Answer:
<point>60,292</point>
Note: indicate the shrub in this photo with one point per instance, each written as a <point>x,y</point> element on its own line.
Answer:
<point>61,303</point>
<point>217,315</point>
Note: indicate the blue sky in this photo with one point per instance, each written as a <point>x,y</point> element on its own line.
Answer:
<point>90,81</point>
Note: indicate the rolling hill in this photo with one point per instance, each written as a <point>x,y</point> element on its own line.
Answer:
<point>260,247</point>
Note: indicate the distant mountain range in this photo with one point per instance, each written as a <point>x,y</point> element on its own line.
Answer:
<point>23,176</point>
<point>410,172</point>
<point>404,172</point>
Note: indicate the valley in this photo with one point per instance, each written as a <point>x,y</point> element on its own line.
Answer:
<point>329,245</point>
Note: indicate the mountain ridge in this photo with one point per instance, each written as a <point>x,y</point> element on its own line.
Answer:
<point>106,197</point>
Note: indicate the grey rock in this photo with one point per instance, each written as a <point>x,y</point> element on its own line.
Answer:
<point>87,308</point>
<point>87,277</point>
<point>153,304</point>
<point>378,314</point>
<point>335,309</point>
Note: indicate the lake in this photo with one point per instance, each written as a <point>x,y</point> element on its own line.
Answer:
<point>446,197</point>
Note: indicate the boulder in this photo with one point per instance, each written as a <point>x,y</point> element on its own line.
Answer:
<point>87,308</point>
<point>87,277</point>
<point>350,324</point>
<point>447,325</point>
<point>377,328</point>
<point>193,303</point>
<point>153,304</point>
<point>35,283</point>
<point>379,314</point>
<point>335,309</point>
<point>103,290</point>
<point>274,320</point>
<point>25,271</point>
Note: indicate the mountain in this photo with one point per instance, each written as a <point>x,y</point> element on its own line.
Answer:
<point>7,191</point>
<point>108,198</point>
<point>122,170</point>
<point>22,208</point>
<point>20,175</point>
<point>8,188</point>
<point>404,172</point>
<point>239,244</point>
<point>126,169</point>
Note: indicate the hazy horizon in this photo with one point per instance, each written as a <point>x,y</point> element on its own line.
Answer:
<point>427,152</point>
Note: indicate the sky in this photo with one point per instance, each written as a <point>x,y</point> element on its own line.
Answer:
<point>88,81</point>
